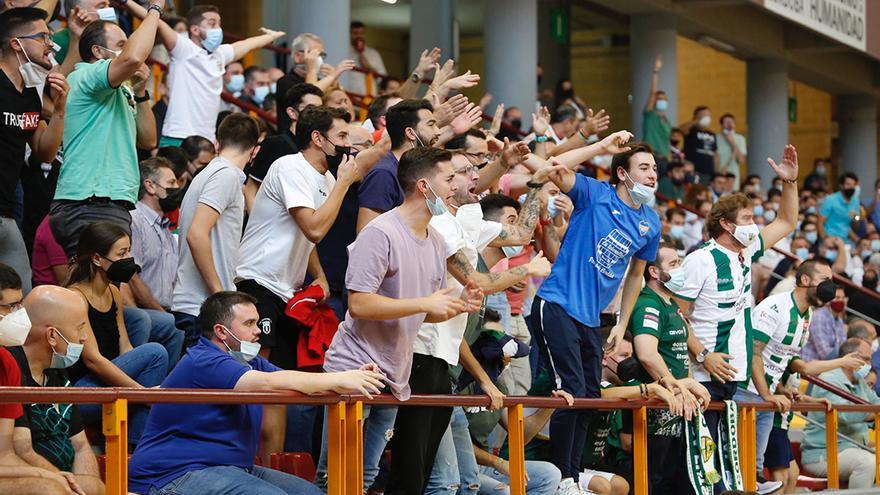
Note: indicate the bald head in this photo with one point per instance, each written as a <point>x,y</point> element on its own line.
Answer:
<point>361,138</point>
<point>50,306</point>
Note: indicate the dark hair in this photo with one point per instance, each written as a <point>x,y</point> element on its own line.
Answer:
<point>716,175</point>
<point>459,142</point>
<point>674,164</point>
<point>379,107</point>
<point>173,20</point>
<point>356,24</point>
<point>175,156</point>
<point>220,116</point>
<point>318,119</point>
<point>563,113</point>
<point>491,316</point>
<point>220,308</point>
<point>14,22</point>
<point>808,268</point>
<point>674,211</point>
<point>197,13</point>
<point>250,71</point>
<point>293,97</point>
<point>849,346</point>
<point>621,160</point>
<point>193,145</point>
<point>149,169</point>
<point>657,261</point>
<point>847,175</point>
<point>726,116</point>
<point>418,163</point>
<point>97,238</point>
<point>238,130</point>
<point>726,208</point>
<point>95,34</point>
<point>493,205</point>
<point>700,109</point>
<point>9,278</point>
<point>402,115</point>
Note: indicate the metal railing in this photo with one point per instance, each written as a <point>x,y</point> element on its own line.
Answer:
<point>345,423</point>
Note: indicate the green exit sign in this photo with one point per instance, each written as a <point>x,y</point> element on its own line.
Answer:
<point>792,110</point>
<point>559,25</point>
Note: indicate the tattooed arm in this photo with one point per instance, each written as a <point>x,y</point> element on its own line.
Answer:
<point>520,233</point>
<point>460,268</point>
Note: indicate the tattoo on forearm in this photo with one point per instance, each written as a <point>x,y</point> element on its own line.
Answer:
<point>531,209</point>
<point>461,263</point>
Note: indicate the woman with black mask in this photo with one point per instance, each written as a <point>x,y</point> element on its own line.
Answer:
<point>102,261</point>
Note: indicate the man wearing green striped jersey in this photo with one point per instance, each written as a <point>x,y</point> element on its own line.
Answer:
<point>780,329</point>
<point>716,289</point>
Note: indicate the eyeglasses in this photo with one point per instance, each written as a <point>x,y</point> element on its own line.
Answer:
<point>44,36</point>
<point>322,54</point>
<point>466,170</point>
<point>480,157</point>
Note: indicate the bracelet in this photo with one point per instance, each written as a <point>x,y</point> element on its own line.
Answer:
<point>787,181</point>
<point>643,389</point>
<point>534,185</point>
<point>141,99</point>
<point>581,134</point>
<point>541,139</point>
<point>154,7</point>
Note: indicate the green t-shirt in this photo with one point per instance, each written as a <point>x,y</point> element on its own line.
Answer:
<point>667,188</point>
<point>654,316</point>
<point>62,39</point>
<point>657,130</point>
<point>100,158</point>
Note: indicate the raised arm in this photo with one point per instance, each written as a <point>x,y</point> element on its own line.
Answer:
<point>243,47</point>
<point>460,268</point>
<point>786,220</point>
<point>316,223</point>
<point>520,233</point>
<point>655,83</point>
<point>167,34</point>
<point>427,60</point>
<point>137,48</point>
<point>512,154</point>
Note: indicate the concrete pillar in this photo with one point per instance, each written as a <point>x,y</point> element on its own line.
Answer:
<point>650,35</point>
<point>554,57</point>
<point>329,19</point>
<point>767,107</point>
<point>432,24</point>
<point>858,139</point>
<point>511,52</point>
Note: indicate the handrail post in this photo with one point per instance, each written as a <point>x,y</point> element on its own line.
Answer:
<point>115,429</point>
<point>354,447</point>
<point>749,451</point>
<point>640,450</point>
<point>877,446</point>
<point>335,448</point>
<point>831,448</point>
<point>516,442</point>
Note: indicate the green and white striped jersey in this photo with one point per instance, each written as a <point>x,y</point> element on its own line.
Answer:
<point>719,284</point>
<point>778,323</point>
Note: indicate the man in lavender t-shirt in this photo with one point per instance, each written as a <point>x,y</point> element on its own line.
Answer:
<point>396,280</point>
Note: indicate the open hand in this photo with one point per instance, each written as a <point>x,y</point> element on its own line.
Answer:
<point>787,169</point>
<point>614,143</point>
<point>427,60</point>
<point>271,32</point>
<point>596,124</point>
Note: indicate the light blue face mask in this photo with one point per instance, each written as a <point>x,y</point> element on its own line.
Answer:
<point>676,231</point>
<point>436,206</point>
<point>661,105</point>
<point>802,253</point>
<point>260,94</point>
<point>273,88</point>
<point>246,352</point>
<point>875,245</point>
<point>811,236</point>
<point>758,210</point>
<point>552,210</point>
<point>676,280</point>
<point>236,83</point>
<point>862,372</point>
<point>640,193</point>
<point>74,351</point>
<point>511,251</point>
<point>831,255</point>
<point>107,14</point>
<point>213,39</point>
<point>811,210</point>
<point>866,253</point>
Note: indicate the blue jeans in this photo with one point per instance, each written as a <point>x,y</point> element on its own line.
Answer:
<point>300,428</point>
<point>544,478</point>
<point>378,430</point>
<point>149,325</point>
<point>455,466</point>
<point>231,480</point>
<point>146,364</point>
<point>763,425</point>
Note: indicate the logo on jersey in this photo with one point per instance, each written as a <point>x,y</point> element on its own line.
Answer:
<point>28,121</point>
<point>265,325</point>
<point>644,228</point>
<point>610,250</point>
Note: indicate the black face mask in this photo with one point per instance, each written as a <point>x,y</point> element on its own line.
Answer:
<point>516,123</point>
<point>869,283</point>
<point>171,201</point>
<point>826,291</point>
<point>848,192</point>
<point>674,142</point>
<point>677,182</point>
<point>333,161</point>
<point>631,369</point>
<point>121,270</point>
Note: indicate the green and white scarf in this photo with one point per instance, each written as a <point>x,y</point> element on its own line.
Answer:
<point>701,452</point>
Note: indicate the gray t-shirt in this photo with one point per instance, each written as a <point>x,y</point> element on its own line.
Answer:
<point>218,186</point>
<point>389,260</point>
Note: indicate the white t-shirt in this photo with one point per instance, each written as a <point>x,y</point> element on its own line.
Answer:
<point>274,251</point>
<point>195,81</point>
<point>469,233</point>
<point>357,82</point>
<point>719,283</point>
<point>779,324</point>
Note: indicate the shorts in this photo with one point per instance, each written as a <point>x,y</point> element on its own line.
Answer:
<point>278,331</point>
<point>588,474</point>
<point>778,453</point>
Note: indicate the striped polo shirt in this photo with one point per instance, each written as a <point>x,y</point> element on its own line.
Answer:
<point>778,323</point>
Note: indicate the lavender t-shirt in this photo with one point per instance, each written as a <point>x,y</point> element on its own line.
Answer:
<point>389,260</point>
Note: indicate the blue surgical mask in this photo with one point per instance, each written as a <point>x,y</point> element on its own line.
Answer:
<point>758,210</point>
<point>436,206</point>
<point>769,216</point>
<point>676,231</point>
<point>213,39</point>
<point>831,255</point>
<point>246,352</point>
<point>862,372</point>
<point>811,210</point>
<point>74,351</point>
<point>511,251</point>
<point>802,253</point>
<point>811,236</point>
<point>866,253</point>
<point>875,245</point>
<point>640,193</point>
<point>676,280</point>
<point>273,88</point>
<point>107,14</point>
<point>260,94</point>
<point>236,83</point>
<point>661,105</point>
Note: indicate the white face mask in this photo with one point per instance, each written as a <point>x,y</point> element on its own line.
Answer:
<point>33,74</point>
<point>107,14</point>
<point>874,346</point>
<point>640,193</point>
<point>14,328</point>
<point>705,121</point>
<point>746,234</point>
<point>246,352</point>
<point>676,281</point>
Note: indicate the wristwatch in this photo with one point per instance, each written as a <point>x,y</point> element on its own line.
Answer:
<point>534,185</point>
<point>701,357</point>
<point>156,8</point>
<point>141,99</point>
<point>416,77</point>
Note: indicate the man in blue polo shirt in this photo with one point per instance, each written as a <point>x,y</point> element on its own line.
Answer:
<point>612,230</point>
<point>839,209</point>
<point>209,448</point>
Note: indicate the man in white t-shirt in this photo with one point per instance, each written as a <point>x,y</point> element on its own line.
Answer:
<point>367,58</point>
<point>195,79</point>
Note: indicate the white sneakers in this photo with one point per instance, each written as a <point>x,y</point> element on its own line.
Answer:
<point>568,487</point>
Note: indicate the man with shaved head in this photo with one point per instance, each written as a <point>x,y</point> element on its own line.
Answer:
<point>51,436</point>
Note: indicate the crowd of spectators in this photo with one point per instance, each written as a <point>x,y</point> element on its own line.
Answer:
<point>179,241</point>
